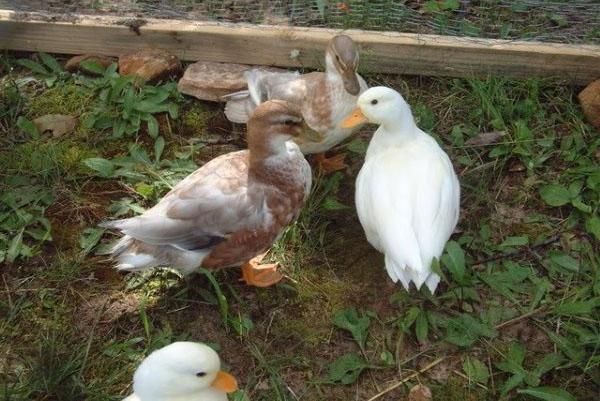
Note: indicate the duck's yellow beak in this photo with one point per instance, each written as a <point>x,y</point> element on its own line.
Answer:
<point>356,117</point>
<point>225,382</point>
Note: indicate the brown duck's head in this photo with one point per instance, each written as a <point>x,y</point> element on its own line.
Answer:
<point>272,124</point>
<point>342,55</point>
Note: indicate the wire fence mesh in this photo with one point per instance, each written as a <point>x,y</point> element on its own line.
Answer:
<point>564,21</point>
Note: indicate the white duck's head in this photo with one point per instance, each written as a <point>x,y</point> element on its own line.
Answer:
<point>180,370</point>
<point>341,57</point>
<point>380,105</point>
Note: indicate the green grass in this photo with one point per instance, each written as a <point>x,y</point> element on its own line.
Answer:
<point>517,309</point>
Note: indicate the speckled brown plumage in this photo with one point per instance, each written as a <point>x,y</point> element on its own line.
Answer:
<point>229,210</point>
<point>324,98</point>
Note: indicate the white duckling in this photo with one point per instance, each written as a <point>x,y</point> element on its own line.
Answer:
<point>230,210</point>
<point>325,98</point>
<point>407,193</point>
<point>182,371</point>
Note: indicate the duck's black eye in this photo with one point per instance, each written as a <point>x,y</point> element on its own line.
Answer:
<point>289,122</point>
<point>200,374</point>
<point>374,102</point>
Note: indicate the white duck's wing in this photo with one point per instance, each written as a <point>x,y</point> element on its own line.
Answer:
<point>200,211</point>
<point>407,201</point>
<point>262,86</point>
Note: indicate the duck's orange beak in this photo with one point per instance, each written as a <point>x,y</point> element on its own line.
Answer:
<point>356,117</point>
<point>225,382</point>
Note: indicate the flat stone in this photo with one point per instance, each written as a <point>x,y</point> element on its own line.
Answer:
<point>56,124</point>
<point>150,65</point>
<point>211,81</point>
<point>589,98</point>
<point>74,63</point>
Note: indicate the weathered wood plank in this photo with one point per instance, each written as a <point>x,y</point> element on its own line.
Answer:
<point>387,52</point>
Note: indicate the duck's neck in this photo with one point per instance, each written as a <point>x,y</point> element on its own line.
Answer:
<point>398,131</point>
<point>332,74</point>
<point>266,158</point>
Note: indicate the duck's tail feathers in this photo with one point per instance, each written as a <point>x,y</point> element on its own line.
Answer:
<point>133,255</point>
<point>406,275</point>
<point>239,107</point>
<point>114,224</point>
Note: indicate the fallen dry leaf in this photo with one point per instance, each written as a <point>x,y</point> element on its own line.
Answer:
<point>56,124</point>
<point>485,138</point>
<point>420,392</point>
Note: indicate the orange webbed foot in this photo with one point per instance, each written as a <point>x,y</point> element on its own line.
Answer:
<point>260,275</point>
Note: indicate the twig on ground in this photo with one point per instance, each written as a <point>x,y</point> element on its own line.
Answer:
<point>504,255</point>
<point>519,318</point>
<point>409,377</point>
<point>456,372</point>
<point>10,303</point>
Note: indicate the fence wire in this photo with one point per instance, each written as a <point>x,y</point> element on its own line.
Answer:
<point>564,21</point>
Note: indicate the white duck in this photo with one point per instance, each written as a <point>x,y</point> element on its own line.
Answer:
<point>182,371</point>
<point>324,98</point>
<point>407,193</point>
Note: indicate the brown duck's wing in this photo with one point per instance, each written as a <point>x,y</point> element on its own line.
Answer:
<point>245,244</point>
<point>203,209</point>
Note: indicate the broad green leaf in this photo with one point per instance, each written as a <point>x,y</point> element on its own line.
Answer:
<point>51,62</point>
<point>572,350</point>
<point>409,318</point>
<point>421,327</point>
<point>547,363</point>
<point>579,308</point>
<point>90,238</point>
<point>347,368</point>
<point>28,127</point>
<point>145,190</point>
<point>476,370</point>
<point>331,203</point>
<point>592,225</point>
<point>241,324</point>
<point>139,154</point>
<point>512,382</point>
<point>513,360</point>
<point>14,249</point>
<point>555,195</point>
<point>514,241</point>
<point>102,166</point>
<point>358,326</point>
<point>33,66</point>
<point>464,330</point>
<point>147,106</point>
<point>159,146</point>
<point>152,125</point>
<point>565,261</point>
<point>454,260</point>
<point>92,66</point>
<point>548,393</point>
<point>579,205</point>
<point>387,358</point>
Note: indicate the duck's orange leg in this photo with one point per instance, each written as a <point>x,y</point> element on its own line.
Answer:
<point>260,275</point>
<point>330,164</point>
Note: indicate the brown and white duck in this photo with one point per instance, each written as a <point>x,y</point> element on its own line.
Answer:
<point>325,98</point>
<point>230,210</point>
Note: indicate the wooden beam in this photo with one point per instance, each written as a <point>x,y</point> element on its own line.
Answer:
<point>386,52</point>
